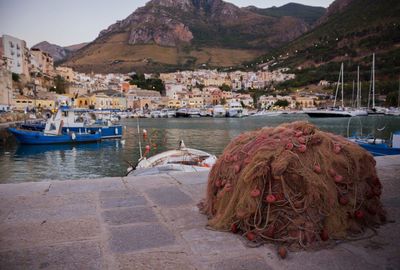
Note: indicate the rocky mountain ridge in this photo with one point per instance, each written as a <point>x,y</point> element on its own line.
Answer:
<point>192,32</point>
<point>58,53</point>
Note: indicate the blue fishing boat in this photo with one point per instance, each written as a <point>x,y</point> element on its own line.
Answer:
<point>379,147</point>
<point>82,121</point>
<point>41,137</point>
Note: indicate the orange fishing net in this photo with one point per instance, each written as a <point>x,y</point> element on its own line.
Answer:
<point>294,185</point>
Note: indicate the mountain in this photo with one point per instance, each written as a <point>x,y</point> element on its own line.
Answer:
<point>57,52</point>
<point>306,13</point>
<point>349,32</point>
<point>183,34</point>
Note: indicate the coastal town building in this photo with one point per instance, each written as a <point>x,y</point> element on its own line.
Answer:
<point>6,92</point>
<point>66,72</point>
<point>16,55</point>
<point>42,62</point>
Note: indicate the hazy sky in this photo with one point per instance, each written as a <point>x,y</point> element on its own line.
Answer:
<point>68,22</point>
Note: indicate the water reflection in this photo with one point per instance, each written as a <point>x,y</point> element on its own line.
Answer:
<point>19,163</point>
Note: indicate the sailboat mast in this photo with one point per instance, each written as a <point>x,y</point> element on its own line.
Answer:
<point>358,87</point>
<point>398,97</point>
<point>342,85</point>
<point>353,103</point>
<point>373,81</point>
<point>337,86</point>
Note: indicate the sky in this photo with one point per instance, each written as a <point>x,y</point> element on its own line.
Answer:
<point>69,22</point>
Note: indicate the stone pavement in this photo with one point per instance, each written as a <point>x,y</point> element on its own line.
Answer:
<point>152,222</point>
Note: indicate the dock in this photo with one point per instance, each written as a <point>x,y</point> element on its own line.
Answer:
<point>152,222</point>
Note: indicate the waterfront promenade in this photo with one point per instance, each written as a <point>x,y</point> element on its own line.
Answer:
<point>152,222</point>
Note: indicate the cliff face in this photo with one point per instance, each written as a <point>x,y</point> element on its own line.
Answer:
<point>171,23</point>
<point>186,34</point>
<point>57,52</point>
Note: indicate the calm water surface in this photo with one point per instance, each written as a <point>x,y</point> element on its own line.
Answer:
<point>23,163</point>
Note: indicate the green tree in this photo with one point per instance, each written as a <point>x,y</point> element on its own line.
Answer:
<point>223,101</point>
<point>392,99</point>
<point>15,77</point>
<point>60,85</point>
<point>281,103</point>
<point>225,87</point>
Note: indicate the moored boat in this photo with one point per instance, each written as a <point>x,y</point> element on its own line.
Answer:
<point>182,159</point>
<point>41,137</point>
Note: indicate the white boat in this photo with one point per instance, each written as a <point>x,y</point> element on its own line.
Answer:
<point>182,160</point>
<point>268,113</point>
<point>393,111</point>
<point>219,111</point>
<point>235,109</point>
<point>335,111</point>
<point>155,114</point>
<point>194,113</point>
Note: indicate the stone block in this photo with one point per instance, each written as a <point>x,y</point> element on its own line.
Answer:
<point>168,197</point>
<point>142,183</point>
<point>185,178</point>
<point>184,218</point>
<point>23,189</point>
<point>129,215</point>
<point>121,198</point>
<point>85,186</point>
<point>240,263</point>
<point>154,261</point>
<point>81,255</point>
<point>29,234</point>
<point>73,211</point>
<point>139,237</point>
<point>206,242</point>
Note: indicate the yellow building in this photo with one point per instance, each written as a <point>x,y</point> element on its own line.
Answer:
<point>196,102</point>
<point>174,103</point>
<point>66,72</point>
<point>22,102</point>
<point>306,102</point>
<point>83,101</point>
<point>119,102</point>
<point>45,104</point>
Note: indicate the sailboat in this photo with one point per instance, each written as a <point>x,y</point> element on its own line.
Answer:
<point>334,111</point>
<point>357,110</point>
<point>374,109</point>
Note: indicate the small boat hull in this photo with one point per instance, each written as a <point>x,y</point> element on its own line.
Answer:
<point>37,137</point>
<point>379,149</point>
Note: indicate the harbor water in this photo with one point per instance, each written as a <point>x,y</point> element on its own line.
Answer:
<point>110,158</point>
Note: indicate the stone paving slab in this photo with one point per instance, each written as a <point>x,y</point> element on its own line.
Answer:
<point>189,178</point>
<point>77,256</point>
<point>129,215</point>
<point>73,211</point>
<point>31,234</point>
<point>23,189</point>
<point>142,183</point>
<point>47,201</point>
<point>240,263</point>
<point>140,237</point>
<point>85,186</point>
<point>115,202</point>
<point>168,196</point>
<point>157,260</point>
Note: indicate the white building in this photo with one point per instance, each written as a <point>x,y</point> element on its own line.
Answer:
<point>16,55</point>
<point>173,91</point>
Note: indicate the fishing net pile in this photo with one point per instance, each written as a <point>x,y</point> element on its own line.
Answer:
<point>295,186</point>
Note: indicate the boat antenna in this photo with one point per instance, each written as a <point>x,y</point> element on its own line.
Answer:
<point>140,143</point>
